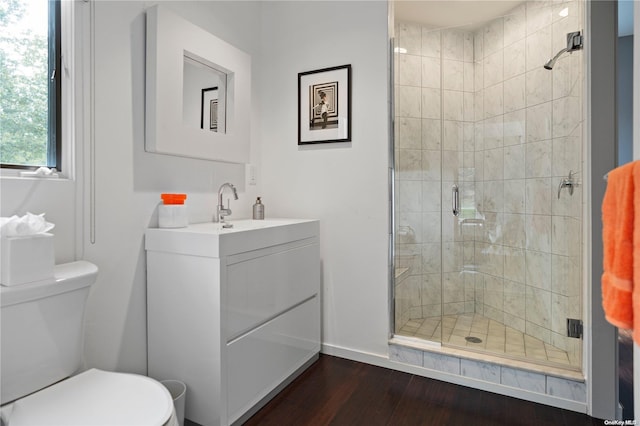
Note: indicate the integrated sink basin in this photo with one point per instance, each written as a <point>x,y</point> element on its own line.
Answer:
<point>212,239</point>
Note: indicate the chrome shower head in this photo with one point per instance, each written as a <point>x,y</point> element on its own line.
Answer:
<point>551,62</point>
<point>574,42</point>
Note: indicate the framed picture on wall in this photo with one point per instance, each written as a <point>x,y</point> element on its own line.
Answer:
<point>209,109</point>
<point>324,105</point>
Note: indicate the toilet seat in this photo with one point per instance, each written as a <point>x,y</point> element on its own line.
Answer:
<point>96,398</point>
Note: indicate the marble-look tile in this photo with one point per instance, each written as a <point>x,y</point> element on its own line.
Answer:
<point>514,265</point>
<point>514,230</point>
<point>468,106</point>
<point>567,155</point>
<point>430,103</point>
<point>478,105</point>
<point>431,197</point>
<point>453,75</point>
<point>431,258</point>
<point>452,135</point>
<point>568,389</point>
<point>494,158</point>
<point>439,362</point>
<point>430,227</point>
<point>521,379</point>
<point>538,228</point>
<point>538,273</point>
<point>514,164</point>
<point>538,159</point>
<point>567,76</point>
<point>538,86</point>
<point>431,134</point>
<point>567,115</point>
<point>493,100</point>
<point>410,193</point>
<point>430,72</point>
<point>537,17</point>
<point>468,47</point>
<point>451,163</point>
<point>409,37</point>
<point>559,312</point>
<point>431,291</point>
<point>409,133</point>
<point>431,162</point>
<point>468,141</point>
<point>538,307</point>
<point>493,69</point>
<point>538,49</point>
<point>453,45</point>
<point>514,127</point>
<point>514,299</point>
<point>493,132</point>
<point>480,370</point>
<point>514,61</point>
<point>405,355</point>
<point>410,164</point>
<point>452,106</point>
<point>538,196</point>
<point>409,101</point>
<point>478,46</point>
<point>515,321</point>
<point>565,236</point>
<point>494,293</point>
<point>493,36</point>
<point>538,122</point>
<point>409,70</point>
<point>431,45</point>
<point>514,28</point>
<point>468,77</point>
<point>565,276</point>
<point>539,332</point>
<point>452,262</point>
<point>514,93</point>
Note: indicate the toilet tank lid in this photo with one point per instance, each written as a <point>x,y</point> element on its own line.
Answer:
<point>66,277</point>
<point>98,398</point>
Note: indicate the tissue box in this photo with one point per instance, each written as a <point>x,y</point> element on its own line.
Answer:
<point>26,259</point>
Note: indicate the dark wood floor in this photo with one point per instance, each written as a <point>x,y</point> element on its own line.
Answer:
<point>336,391</point>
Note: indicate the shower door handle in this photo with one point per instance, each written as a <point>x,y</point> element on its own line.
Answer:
<point>455,197</point>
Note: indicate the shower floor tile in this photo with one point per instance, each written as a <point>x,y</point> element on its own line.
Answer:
<point>495,337</point>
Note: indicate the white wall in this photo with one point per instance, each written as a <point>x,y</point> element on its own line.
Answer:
<point>129,181</point>
<point>344,185</point>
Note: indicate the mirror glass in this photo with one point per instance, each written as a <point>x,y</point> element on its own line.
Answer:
<point>204,95</point>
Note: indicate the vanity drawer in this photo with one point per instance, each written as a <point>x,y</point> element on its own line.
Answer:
<point>259,361</point>
<point>268,283</point>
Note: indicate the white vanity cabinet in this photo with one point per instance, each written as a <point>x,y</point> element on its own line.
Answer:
<point>234,313</point>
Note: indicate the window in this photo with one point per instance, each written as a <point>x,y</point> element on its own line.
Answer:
<point>30,84</point>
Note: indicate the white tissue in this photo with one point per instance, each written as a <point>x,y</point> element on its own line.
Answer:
<point>29,224</point>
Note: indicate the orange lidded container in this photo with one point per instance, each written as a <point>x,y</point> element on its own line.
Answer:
<point>172,213</point>
<point>173,198</point>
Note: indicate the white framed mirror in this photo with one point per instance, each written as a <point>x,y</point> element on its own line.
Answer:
<point>198,91</point>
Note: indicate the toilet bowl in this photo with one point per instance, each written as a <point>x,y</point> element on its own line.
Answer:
<point>41,345</point>
<point>95,398</point>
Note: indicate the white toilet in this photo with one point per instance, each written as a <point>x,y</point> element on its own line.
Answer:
<point>41,347</point>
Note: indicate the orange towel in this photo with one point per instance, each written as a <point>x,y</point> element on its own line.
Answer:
<point>621,240</point>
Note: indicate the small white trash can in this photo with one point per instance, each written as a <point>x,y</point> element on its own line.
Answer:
<point>178,391</point>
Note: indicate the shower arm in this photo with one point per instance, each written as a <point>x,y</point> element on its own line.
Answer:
<point>574,42</point>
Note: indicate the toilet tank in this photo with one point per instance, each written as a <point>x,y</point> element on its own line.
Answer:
<point>41,329</point>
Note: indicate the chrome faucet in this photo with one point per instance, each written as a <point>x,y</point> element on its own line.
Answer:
<point>221,212</point>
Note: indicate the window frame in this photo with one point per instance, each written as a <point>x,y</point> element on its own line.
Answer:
<point>54,92</point>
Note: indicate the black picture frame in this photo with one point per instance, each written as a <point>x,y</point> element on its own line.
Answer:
<point>208,109</point>
<point>324,105</point>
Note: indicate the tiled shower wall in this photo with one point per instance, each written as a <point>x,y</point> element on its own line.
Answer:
<point>477,108</point>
